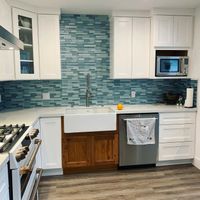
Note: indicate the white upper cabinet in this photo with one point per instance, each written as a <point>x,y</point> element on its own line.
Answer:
<point>183,31</point>
<point>163,31</point>
<point>49,46</point>
<point>27,60</point>
<point>130,46</point>
<point>122,47</point>
<point>40,33</point>
<point>6,56</point>
<point>172,31</point>
<point>140,47</point>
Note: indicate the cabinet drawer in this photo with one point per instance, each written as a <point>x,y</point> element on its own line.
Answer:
<point>176,151</point>
<point>177,118</point>
<point>176,133</point>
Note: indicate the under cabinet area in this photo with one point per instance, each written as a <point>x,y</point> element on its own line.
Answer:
<point>130,47</point>
<point>172,31</point>
<point>89,151</point>
<point>176,136</point>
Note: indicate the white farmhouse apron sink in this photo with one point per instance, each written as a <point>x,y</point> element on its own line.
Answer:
<point>89,119</point>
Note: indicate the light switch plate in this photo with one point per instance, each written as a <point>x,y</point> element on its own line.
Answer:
<point>46,96</point>
<point>133,94</point>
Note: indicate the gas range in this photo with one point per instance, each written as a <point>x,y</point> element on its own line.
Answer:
<point>9,135</point>
<point>22,144</point>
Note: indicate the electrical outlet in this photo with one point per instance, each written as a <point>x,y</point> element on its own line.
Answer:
<point>133,94</point>
<point>46,96</point>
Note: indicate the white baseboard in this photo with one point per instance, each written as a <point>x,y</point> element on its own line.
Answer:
<point>196,162</point>
<point>174,162</point>
<point>52,172</point>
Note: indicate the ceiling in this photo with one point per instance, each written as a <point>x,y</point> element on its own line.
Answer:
<point>106,6</point>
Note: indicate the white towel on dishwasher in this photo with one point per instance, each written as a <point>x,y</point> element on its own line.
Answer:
<point>140,131</point>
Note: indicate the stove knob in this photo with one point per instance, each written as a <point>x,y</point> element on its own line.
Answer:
<point>20,156</point>
<point>33,133</point>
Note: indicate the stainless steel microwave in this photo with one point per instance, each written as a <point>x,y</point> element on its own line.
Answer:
<point>172,66</point>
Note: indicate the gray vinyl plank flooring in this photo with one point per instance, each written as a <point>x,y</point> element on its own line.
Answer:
<point>180,182</point>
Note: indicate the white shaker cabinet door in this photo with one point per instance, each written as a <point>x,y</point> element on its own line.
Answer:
<point>51,142</point>
<point>163,31</point>
<point>49,46</point>
<point>141,48</point>
<point>122,58</point>
<point>183,31</point>
<point>6,56</point>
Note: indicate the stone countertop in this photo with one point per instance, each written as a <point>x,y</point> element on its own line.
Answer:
<point>30,116</point>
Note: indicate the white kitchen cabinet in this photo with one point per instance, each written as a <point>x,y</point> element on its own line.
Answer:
<point>6,56</point>
<point>140,47</point>
<point>172,31</point>
<point>130,40</point>
<point>4,186</point>
<point>122,48</point>
<point>183,31</point>
<point>51,143</point>
<point>49,46</point>
<point>176,136</point>
<point>26,28</point>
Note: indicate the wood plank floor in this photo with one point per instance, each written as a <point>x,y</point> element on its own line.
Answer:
<point>173,182</point>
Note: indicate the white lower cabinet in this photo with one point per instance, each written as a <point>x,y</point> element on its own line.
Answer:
<point>51,143</point>
<point>176,136</point>
<point>4,186</point>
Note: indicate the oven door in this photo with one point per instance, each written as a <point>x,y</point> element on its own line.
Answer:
<point>24,179</point>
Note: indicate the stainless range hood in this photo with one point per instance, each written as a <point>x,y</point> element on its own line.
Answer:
<point>9,41</point>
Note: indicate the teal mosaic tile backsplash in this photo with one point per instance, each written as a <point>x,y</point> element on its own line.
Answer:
<point>85,49</point>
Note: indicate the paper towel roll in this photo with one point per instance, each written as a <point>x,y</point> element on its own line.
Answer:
<point>189,98</point>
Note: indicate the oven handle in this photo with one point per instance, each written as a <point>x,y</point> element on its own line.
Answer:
<point>35,188</point>
<point>27,169</point>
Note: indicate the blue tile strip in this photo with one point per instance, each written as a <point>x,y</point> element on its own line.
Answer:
<point>85,49</point>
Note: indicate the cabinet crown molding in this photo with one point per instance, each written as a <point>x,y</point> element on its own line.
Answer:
<point>34,9</point>
<point>134,13</point>
<point>172,11</point>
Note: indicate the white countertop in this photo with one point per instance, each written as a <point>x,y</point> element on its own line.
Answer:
<point>30,116</point>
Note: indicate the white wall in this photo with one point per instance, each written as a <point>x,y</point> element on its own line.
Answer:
<point>195,74</point>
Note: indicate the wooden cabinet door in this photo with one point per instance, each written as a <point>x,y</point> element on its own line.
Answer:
<point>141,48</point>
<point>76,151</point>
<point>183,31</point>
<point>104,149</point>
<point>122,47</point>
<point>163,31</point>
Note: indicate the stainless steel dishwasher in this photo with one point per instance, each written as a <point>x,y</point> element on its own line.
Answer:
<point>131,155</point>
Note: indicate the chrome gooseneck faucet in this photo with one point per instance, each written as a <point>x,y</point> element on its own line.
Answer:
<point>88,90</point>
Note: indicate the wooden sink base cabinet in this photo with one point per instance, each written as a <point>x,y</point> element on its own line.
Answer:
<point>93,151</point>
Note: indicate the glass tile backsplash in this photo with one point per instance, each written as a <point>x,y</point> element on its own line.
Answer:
<point>85,49</point>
